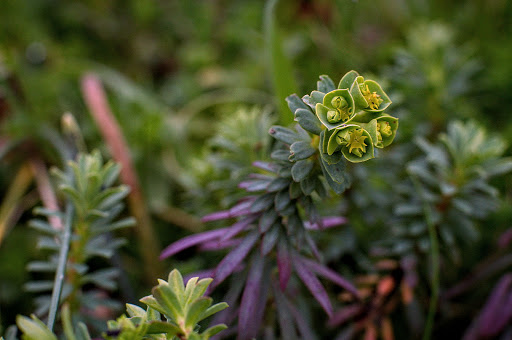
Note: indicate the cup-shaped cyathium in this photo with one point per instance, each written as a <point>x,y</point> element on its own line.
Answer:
<point>337,108</point>
<point>369,96</point>
<point>385,130</point>
<point>353,141</point>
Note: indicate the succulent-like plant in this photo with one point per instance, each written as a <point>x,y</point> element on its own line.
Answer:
<point>183,307</point>
<point>351,117</point>
<point>93,205</point>
<point>275,218</point>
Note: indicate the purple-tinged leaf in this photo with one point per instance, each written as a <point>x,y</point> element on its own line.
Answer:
<point>312,246</point>
<point>218,215</point>
<point>239,209</point>
<point>251,301</point>
<point>261,176</point>
<point>218,245</point>
<point>284,264</point>
<point>494,307</point>
<point>284,316</point>
<point>333,221</point>
<point>304,329</point>
<point>271,167</point>
<point>203,274</point>
<point>254,185</point>
<point>505,318</point>
<point>313,284</point>
<point>232,297</point>
<point>479,275</point>
<point>238,227</point>
<point>190,241</point>
<point>327,222</point>
<point>331,275</point>
<point>233,259</point>
<point>242,208</point>
<point>505,239</point>
<point>345,314</point>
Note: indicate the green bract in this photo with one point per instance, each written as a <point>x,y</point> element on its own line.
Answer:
<point>354,142</point>
<point>337,108</point>
<point>369,96</point>
<point>382,129</point>
<point>349,120</point>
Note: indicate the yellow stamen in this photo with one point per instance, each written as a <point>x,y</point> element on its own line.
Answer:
<point>385,128</point>
<point>374,100</point>
<point>356,142</point>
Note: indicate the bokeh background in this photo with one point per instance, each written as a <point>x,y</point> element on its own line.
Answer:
<point>182,77</point>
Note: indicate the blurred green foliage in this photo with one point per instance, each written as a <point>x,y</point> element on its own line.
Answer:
<point>177,71</point>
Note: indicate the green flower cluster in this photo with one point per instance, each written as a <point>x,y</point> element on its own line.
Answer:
<point>352,117</point>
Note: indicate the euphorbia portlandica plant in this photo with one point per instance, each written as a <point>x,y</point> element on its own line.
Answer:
<point>274,220</point>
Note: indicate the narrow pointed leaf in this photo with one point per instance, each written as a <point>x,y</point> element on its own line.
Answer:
<point>284,264</point>
<point>251,300</point>
<point>269,240</point>
<point>284,316</point>
<point>190,241</point>
<point>211,331</point>
<point>313,284</point>
<point>233,259</point>
<point>262,203</point>
<point>330,275</point>
<point>213,309</point>
<point>267,219</point>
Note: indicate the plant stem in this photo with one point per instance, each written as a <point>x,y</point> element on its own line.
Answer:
<point>434,256</point>
<point>61,266</point>
<point>279,66</point>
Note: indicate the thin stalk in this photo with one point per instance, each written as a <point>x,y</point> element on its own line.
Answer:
<point>61,266</point>
<point>96,99</point>
<point>279,66</point>
<point>13,198</point>
<point>434,257</point>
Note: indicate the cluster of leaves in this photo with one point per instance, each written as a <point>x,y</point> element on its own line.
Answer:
<point>279,211</point>
<point>183,307</point>
<point>241,138</point>
<point>92,209</point>
<point>450,188</point>
<point>438,208</point>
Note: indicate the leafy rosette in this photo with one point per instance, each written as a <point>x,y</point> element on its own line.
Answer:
<point>349,119</point>
<point>337,109</point>
<point>382,130</point>
<point>353,141</point>
<point>368,95</point>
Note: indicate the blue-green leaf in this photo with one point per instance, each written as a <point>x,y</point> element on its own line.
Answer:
<point>301,169</point>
